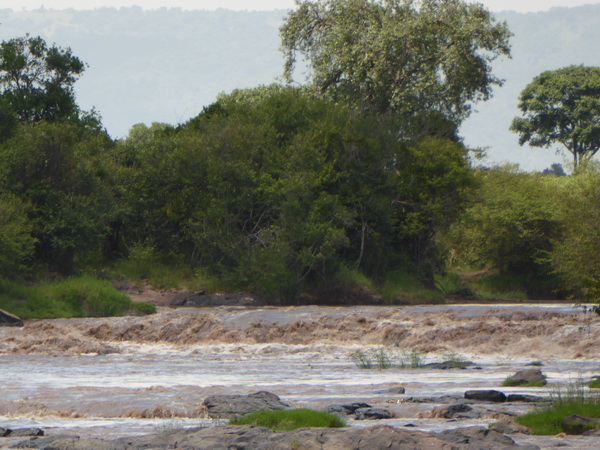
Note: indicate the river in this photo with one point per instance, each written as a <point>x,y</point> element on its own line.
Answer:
<point>124,376</point>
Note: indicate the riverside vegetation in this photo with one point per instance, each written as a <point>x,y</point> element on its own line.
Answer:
<point>323,191</point>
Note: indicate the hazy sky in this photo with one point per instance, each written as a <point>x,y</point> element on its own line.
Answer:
<point>495,5</point>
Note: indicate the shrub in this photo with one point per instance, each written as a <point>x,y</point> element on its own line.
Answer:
<point>73,297</point>
<point>290,419</point>
<point>550,420</point>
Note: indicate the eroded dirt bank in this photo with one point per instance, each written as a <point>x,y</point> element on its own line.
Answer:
<point>540,331</point>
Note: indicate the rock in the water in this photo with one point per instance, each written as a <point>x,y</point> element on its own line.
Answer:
<point>575,424</point>
<point>227,406</point>
<point>198,299</point>
<point>525,398</point>
<point>450,364</point>
<point>452,411</point>
<point>528,376</point>
<point>486,396</point>
<point>9,320</point>
<point>372,414</point>
<point>346,408</point>
<point>21,432</point>
<point>394,390</point>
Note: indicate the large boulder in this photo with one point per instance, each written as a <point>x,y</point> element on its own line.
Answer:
<point>228,406</point>
<point>9,320</point>
<point>486,396</point>
<point>528,376</point>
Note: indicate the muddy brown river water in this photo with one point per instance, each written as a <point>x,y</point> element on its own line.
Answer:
<point>133,375</point>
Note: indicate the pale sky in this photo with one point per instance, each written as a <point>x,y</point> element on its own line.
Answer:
<point>494,5</point>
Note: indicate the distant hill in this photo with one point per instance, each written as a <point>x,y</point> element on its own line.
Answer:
<point>165,65</point>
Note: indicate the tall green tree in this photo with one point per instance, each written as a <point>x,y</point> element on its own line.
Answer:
<point>57,172</point>
<point>405,56</point>
<point>562,107</point>
<point>36,80</point>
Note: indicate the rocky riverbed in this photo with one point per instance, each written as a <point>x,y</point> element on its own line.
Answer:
<point>114,378</point>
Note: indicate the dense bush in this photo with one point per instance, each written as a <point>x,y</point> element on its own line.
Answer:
<point>273,190</point>
<point>73,297</point>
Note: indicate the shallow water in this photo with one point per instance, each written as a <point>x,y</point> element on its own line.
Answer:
<point>143,388</point>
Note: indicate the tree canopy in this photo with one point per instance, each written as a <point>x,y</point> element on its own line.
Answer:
<point>397,55</point>
<point>562,106</point>
<point>36,80</point>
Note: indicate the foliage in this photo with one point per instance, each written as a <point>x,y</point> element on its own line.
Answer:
<point>16,242</point>
<point>562,106</point>
<point>270,189</point>
<point>509,228</point>
<point>36,80</point>
<point>549,420</point>
<point>595,384</point>
<point>56,169</point>
<point>575,256</point>
<point>290,419</point>
<point>73,297</point>
<point>398,55</point>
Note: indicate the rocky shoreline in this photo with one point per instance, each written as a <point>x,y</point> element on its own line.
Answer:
<point>258,438</point>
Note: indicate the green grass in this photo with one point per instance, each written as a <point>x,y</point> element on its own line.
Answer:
<point>407,287</point>
<point>145,265</point>
<point>290,419</point>
<point>509,381</point>
<point>595,384</point>
<point>73,297</point>
<point>498,286</point>
<point>548,420</point>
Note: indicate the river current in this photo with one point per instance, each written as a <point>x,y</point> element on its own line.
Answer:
<point>140,385</point>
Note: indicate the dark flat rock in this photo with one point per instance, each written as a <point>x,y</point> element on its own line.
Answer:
<point>486,396</point>
<point>372,414</point>
<point>525,398</point>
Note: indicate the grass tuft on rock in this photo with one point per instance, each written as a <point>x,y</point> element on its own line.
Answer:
<point>510,381</point>
<point>290,419</point>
